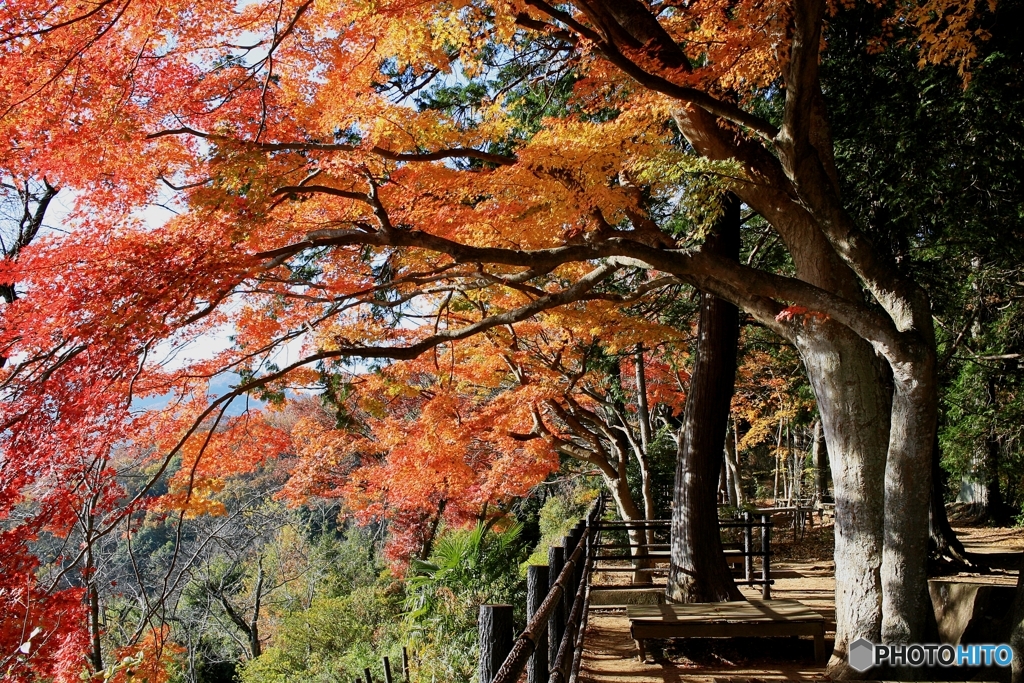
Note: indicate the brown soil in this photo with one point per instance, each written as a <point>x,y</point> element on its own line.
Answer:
<point>982,538</point>
<point>803,570</point>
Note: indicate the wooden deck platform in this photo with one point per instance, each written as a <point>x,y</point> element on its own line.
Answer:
<point>754,618</point>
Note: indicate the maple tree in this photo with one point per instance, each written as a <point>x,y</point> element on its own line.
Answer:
<point>311,203</point>
<point>456,435</point>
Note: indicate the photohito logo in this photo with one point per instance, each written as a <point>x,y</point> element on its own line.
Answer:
<point>864,654</point>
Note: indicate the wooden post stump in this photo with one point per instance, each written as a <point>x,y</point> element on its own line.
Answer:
<point>748,548</point>
<point>766,573</point>
<point>556,622</point>
<point>496,635</point>
<point>536,590</point>
<point>569,543</point>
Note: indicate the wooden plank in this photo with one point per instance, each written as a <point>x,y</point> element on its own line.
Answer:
<point>755,610</point>
<point>752,604</point>
<point>603,570</point>
<point>727,618</point>
<point>756,618</point>
<point>723,630</point>
<point>641,632</point>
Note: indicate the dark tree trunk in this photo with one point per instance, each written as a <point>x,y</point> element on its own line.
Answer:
<point>254,624</point>
<point>95,655</point>
<point>987,500</point>
<point>698,571</point>
<point>95,628</point>
<point>428,542</point>
<point>943,545</point>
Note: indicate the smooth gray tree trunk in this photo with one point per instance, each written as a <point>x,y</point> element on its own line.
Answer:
<point>736,496</point>
<point>905,601</point>
<point>854,399</point>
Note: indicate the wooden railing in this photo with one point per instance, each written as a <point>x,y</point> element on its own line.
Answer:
<point>748,523</point>
<point>550,646</point>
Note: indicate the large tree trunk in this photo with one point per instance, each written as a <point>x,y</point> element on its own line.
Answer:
<point>698,570</point>
<point>795,187</point>
<point>854,399</point>
<point>644,419</point>
<point>905,601</point>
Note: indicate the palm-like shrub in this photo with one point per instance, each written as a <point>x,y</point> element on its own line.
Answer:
<point>466,569</point>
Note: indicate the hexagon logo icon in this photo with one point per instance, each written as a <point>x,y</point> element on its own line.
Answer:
<point>862,654</point>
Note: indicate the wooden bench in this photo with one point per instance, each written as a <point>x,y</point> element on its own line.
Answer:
<point>756,618</point>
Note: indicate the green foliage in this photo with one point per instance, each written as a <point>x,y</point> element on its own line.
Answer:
<point>340,612</point>
<point>334,639</point>
<point>466,569</point>
<point>560,513</point>
<point>661,459</point>
<point>698,187</point>
<point>360,613</point>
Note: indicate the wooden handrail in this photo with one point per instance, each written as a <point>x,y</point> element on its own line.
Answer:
<point>525,645</point>
<point>576,573</point>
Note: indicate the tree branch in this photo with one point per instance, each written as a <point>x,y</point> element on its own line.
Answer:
<point>437,155</point>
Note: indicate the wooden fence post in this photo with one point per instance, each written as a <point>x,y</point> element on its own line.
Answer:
<point>556,622</point>
<point>387,671</point>
<point>366,673</point>
<point>766,573</point>
<point>405,664</point>
<point>581,533</point>
<point>748,547</point>
<point>569,543</point>
<point>496,635</point>
<point>536,590</point>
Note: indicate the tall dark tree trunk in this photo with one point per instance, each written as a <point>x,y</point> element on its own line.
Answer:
<point>943,545</point>
<point>998,511</point>
<point>643,457</point>
<point>95,627</point>
<point>698,571</point>
<point>428,542</point>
